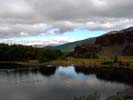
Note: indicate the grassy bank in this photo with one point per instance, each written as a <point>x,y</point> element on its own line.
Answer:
<point>122,61</point>
<point>102,61</point>
<point>108,68</point>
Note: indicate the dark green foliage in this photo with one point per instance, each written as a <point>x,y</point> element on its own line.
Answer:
<point>111,62</point>
<point>67,53</point>
<point>49,54</point>
<point>89,56</point>
<point>25,53</point>
<point>108,63</point>
<point>16,52</point>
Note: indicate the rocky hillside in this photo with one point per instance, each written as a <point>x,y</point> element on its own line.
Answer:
<point>110,44</point>
<point>116,37</point>
<point>86,49</point>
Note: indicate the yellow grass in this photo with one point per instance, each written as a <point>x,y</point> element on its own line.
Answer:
<point>81,61</point>
<point>89,62</point>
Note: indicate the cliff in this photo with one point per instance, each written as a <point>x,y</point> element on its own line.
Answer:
<point>116,37</point>
<point>86,49</point>
<point>110,44</point>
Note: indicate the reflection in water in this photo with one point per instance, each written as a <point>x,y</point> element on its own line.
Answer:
<point>116,75</point>
<point>62,83</point>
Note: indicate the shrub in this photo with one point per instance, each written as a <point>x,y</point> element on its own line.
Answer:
<point>89,56</point>
<point>108,63</point>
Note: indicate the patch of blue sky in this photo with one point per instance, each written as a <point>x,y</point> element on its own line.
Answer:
<point>77,34</point>
<point>80,34</point>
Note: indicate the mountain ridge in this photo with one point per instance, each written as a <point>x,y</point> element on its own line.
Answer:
<point>110,44</point>
<point>72,45</point>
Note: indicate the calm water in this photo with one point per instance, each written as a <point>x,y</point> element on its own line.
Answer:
<point>62,83</point>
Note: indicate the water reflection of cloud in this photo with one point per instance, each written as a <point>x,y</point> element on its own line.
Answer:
<point>63,85</point>
<point>70,71</point>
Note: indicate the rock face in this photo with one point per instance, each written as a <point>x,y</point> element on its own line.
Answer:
<point>113,43</point>
<point>117,38</point>
<point>128,50</point>
<point>87,49</point>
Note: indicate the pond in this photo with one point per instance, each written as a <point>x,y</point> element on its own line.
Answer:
<point>55,83</point>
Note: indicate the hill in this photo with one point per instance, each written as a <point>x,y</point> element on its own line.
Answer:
<point>115,43</point>
<point>70,46</point>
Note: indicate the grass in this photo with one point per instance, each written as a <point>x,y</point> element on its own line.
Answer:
<point>105,61</point>
<point>77,61</point>
<point>102,61</point>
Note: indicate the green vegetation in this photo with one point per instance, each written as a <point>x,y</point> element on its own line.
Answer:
<point>27,53</point>
<point>88,56</point>
<point>34,55</point>
<point>49,55</point>
<point>118,61</point>
<point>102,61</point>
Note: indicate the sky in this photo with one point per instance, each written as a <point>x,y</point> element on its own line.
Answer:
<point>54,22</point>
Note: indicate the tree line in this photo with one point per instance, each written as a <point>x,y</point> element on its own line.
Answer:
<point>25,53</point>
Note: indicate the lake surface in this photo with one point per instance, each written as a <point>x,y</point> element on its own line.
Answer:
<point>61,83</point>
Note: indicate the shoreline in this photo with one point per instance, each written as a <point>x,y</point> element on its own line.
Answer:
<point>106,72</point>
<point>54,64</point>
<point>113,73</point>
<point>124,95</point>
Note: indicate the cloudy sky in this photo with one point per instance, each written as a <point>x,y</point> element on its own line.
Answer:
<point>43,22</point>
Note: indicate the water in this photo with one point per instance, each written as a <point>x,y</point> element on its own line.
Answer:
<point>61,83</point>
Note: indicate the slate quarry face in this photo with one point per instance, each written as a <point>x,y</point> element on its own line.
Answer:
<point>87,49</point>
<point>113,43</point>
<point>116,37</point>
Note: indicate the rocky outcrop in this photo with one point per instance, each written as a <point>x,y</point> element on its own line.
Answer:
<point>128,50</point>
<point>113,43</point>
<point>117,37</point>
<point>110,39</point>
<point>87,49</point>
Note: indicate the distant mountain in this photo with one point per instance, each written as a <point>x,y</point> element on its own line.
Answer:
<point>72,45</point>
<point>110,44</point>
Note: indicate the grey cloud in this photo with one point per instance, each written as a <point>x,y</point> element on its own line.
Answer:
<point>73,9</point>
<point>15,8</point>
<point>34,17</point>
<point>12,30</point>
